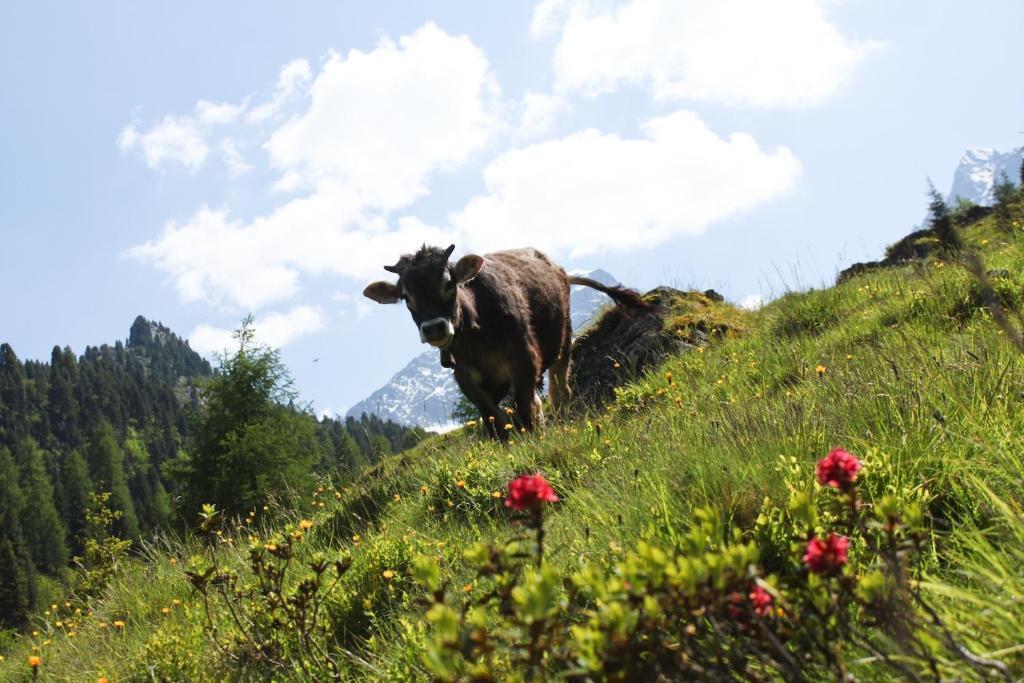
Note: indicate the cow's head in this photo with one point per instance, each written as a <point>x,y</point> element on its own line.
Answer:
<point>429,285</point>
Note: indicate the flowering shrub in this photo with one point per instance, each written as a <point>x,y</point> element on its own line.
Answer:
<point>838,469</point>
<point>842,599</point>
<point>530,492</point>
<point>826,556</point>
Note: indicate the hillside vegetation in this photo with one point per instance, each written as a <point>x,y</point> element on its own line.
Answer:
<point>680,547</point>
<point>122,421</point>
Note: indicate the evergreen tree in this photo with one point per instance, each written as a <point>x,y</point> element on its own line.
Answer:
<point>77,495</point>
<point>17,574</point>
<point>14,588</point>
<point>1004,195</point>
<point>106,466</point>
<point>62,403</point>
<point>14,408</point>
<point>940,222</point>
<point>250,442</point>
<point>43,531</point>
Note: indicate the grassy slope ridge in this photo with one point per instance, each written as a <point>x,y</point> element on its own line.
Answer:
<point>914,376</point>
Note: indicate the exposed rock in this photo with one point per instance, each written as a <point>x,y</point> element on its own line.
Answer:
<point>917,245</point>
<point>623,344</point>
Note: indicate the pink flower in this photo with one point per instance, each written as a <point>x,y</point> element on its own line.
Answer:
<point>828,556</point>
<point>529,491</point>
<point>838,469</point>
<point>762,601</point>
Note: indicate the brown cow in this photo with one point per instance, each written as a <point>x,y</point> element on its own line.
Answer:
<point>500,320</point>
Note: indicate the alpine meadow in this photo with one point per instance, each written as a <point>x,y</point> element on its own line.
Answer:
<point>384,414</point>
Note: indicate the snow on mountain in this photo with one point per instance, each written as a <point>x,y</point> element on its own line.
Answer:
<point>423,393</point>
<point>979,171</point>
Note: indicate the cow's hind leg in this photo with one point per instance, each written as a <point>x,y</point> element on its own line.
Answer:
<point>558,375</point>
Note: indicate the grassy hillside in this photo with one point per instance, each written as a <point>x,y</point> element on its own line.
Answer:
<point>695,485</point>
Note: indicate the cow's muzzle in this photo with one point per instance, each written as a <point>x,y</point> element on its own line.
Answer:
<point>437,332</point>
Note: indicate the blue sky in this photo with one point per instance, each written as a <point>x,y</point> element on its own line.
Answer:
<point>197,161</point>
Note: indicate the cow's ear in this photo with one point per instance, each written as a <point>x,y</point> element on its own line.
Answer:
<point>382,292</point>
<point>468,267</point>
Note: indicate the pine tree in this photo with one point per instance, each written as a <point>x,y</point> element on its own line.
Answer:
<point>1004,195</point>
<point>940,222</point>
<point>43,531</point>
<point>77,495</point>
<point>250,442</point>
<point>14,408</point>
<point>62,403</point>
<point>17,574</point>
<point>14,588</point>
<point>106,466</point>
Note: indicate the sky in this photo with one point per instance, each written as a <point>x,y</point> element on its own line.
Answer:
<point>194,162</point>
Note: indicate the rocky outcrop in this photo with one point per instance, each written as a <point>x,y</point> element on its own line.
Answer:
<point>623,344</point>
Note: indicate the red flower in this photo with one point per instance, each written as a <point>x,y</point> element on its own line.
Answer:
<point>762,601</point>
<point>528,491</point>
<point>838,469</point>
<point>826,557</point>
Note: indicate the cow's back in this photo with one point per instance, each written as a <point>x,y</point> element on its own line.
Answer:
<point>536,288</point>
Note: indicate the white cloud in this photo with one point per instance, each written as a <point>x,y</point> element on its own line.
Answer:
<point>539,113</point>
<point>382,121</point>
<point>216,114</point>
<point>280,329</point>
<point>751,52</point>
<point>207,340</point>
<point>548,15</point>
<point>378,124</point>
<point>752,302</point>
<point>233,158</point>
<point>182,139</point>
<point>292,80</point>
<point>174,139</point>
<point>273,329</point>
<point>215,257</point>
<point>590,192</point>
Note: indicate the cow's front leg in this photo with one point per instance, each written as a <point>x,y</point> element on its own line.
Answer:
<point>489,412</point>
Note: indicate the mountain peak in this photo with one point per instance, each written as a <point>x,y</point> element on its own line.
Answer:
<point>979,170</point>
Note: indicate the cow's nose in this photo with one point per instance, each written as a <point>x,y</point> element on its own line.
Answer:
<point>435,330</point>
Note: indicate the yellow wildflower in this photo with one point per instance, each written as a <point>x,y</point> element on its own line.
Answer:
<point>461,483</point>
<point>388,574</point>
<point>118,624</point>
<point>34,661</point>
<point>306,524</point>
<point>821,370</point>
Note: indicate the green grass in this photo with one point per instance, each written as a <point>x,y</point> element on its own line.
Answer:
<point>901,366</point>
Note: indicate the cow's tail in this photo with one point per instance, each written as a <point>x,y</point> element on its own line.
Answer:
<point>622,296</point>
